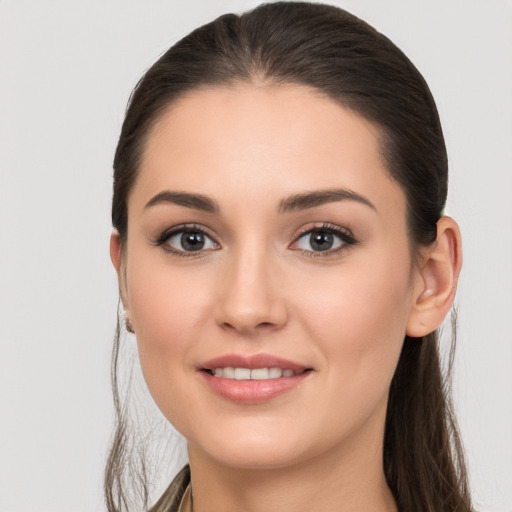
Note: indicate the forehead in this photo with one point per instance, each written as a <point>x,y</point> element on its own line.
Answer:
<point>250,140</point>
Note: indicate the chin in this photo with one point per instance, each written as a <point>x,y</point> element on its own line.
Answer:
<point>256,449</point>
<point>258,459</point>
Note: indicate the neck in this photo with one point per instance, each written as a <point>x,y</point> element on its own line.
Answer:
<point>343,480</point>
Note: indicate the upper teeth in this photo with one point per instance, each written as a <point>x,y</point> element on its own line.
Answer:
<point>253,374</point>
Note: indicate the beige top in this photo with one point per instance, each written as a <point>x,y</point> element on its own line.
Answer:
<point>186,501</point>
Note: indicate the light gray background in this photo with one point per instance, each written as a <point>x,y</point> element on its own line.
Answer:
<point>66,70</point>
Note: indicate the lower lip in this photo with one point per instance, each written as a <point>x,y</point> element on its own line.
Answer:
<point>253,391</point>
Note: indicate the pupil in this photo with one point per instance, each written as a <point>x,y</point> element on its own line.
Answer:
<point>321,241</point>
<point>192,241</point>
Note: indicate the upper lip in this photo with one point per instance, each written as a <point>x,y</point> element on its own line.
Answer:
<point>251,362</point>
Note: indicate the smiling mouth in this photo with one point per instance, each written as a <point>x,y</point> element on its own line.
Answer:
<point>254,379</point>
<point>254,373</point>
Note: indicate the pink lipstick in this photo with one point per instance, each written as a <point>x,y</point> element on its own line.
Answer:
<point>252,379</point>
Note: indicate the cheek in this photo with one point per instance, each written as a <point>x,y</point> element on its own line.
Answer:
<point>167,311</point>
<point>358,320</point>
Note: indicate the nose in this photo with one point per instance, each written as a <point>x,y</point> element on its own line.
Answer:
<point>251,298</point>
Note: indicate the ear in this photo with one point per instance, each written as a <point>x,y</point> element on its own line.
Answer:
<point>436,281</point>
<point>116,255</point>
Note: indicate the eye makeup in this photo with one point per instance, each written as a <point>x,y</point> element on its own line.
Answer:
<point>192,240</point>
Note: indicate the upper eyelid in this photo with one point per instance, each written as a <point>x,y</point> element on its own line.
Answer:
<point>167,233</point>
<point>334,228</point>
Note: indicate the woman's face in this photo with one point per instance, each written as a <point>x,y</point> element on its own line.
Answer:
<point>265,234</point>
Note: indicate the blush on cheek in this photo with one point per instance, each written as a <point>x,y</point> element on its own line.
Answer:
<point>165,303</point>
<point>168,309</point>
<point>362,318</point>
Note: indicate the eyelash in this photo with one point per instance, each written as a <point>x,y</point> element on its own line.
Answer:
<point>183,228</point>
<point>343,234</point>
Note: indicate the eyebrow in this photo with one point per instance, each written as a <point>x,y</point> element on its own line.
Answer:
<point>195,201</point>
<point>305,200</point>
<point>295,202</point>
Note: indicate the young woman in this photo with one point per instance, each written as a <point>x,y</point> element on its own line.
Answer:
<point>284,263</point>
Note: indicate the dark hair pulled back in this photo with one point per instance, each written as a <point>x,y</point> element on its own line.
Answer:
<point>343,57</point>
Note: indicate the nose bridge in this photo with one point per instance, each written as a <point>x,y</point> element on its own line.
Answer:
<point>250,296</point>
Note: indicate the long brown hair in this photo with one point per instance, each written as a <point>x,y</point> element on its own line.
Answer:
<point>327,48</point>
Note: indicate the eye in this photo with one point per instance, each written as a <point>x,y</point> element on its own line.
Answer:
<point>324,239</point>
<point>182,240</point>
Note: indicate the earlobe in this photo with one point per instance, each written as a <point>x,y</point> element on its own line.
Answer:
<point>437,280</point>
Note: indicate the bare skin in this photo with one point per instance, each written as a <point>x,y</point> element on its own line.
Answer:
<point>327,284</point>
